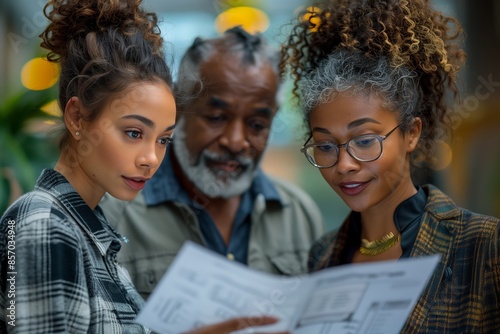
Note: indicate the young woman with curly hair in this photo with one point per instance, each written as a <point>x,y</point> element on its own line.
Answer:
<point>375,79</point>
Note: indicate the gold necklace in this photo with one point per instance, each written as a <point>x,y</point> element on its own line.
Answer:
<point>377,247</point>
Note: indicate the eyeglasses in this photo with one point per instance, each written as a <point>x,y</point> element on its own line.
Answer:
<point>325,154</point>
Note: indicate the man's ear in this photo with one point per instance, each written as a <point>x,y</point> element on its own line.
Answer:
<point>414,134</point>
<point>73,117</point>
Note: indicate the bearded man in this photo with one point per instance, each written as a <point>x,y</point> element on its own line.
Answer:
<point>210,189</point>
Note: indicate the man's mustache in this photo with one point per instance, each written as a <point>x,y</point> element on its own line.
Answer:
<point>227,157</point>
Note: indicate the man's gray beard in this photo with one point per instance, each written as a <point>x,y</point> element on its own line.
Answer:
<point>212,185</point>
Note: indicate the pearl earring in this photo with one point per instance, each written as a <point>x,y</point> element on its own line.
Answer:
<point>77,133</point>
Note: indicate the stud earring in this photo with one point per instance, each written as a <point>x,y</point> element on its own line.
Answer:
<point>77,133</point>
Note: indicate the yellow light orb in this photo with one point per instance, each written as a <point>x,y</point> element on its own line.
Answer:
<point>443,158</point>
<point>251,19</point>
<point>52,108</point>
<point>312,16</point>
<point>39,74</point>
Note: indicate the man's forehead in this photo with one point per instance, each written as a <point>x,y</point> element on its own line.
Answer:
<point>237,59</point>
<point>259,107</point>
<point>220,72</point>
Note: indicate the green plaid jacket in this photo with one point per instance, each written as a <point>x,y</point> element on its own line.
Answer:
<point>463,294</point>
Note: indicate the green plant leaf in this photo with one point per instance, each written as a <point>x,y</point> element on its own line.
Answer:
<point>18,153</point>
<point>16,111</point>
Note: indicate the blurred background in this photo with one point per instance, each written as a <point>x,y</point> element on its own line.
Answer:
<point>468,169</point>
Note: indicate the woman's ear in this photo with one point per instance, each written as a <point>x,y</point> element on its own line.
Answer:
<point>414,134</point>
<point>73,117</point>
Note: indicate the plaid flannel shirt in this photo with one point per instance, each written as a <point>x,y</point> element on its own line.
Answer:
<point>463,294</point>
<point>58,266</point>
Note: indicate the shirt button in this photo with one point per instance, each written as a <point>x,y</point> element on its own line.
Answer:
<point>230,256</point>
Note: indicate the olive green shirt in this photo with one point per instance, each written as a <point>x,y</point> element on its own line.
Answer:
<point>281,233</point>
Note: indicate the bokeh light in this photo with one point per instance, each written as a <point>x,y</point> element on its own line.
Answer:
<point>312,16</point>
<point>251,19</point>
<point>443,157</point>
<point>39,74</point>
<point>52,108</point>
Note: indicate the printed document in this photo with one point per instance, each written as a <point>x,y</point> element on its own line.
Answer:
<point>202,288</point>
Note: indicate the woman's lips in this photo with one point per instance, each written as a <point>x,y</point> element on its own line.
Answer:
<point>352,188</point>
<point>136,184</point>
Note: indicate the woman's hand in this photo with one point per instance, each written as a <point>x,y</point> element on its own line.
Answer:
<point>236,324</point>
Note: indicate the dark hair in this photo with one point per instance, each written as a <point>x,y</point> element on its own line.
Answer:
<point>402,50</point>
<point>252,48</point>
<point>102,46</point>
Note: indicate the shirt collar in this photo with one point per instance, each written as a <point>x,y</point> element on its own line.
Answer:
<point>165,187</point>
<point>91,221</point>
<point>408,218</point>
<point>410,210</point>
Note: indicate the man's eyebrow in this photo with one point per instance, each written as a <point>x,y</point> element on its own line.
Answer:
<point>216,102</point>
<point>266,112</point>
<point>219,103</point>
<point>362,121</point>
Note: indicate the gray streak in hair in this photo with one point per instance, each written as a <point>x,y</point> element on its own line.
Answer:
<point>353,73</point>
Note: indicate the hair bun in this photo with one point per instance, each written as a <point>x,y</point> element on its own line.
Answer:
<point>73,19</point>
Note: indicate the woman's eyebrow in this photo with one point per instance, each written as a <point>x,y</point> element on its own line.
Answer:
<point>361,121</point>
<point>149,123</point>
<point>322,130</point>
<point>171,127</point>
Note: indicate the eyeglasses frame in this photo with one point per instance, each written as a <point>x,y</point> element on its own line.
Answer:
<point>304,148</point>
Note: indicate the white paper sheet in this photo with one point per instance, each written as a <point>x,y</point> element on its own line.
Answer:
<point>202,287</point>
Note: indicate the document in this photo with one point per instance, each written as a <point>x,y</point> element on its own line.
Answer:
<point>202,288</point>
